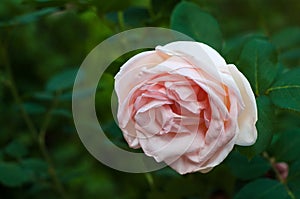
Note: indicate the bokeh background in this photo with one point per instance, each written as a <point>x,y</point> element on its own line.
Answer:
<point>43,43</point>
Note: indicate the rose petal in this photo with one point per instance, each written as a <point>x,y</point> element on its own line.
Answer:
<point>248,117</point>
<point>197,53</point>
<point>133,68</point>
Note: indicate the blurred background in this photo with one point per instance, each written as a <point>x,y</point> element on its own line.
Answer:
<point>43,43</point>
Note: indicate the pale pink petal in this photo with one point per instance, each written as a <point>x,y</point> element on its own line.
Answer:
<point>197,53</point>
<point>248,117</point>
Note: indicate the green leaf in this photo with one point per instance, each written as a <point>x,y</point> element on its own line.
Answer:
<point>189,19</point>
<point>263,189</point>
<point>285,92</point>
<point>45,3</point>
<point>286,147</point>
<point>62,81</point>
<point>62,112</point>
<point>44,95</point>
<point>258,62</point>
<point>35,164</point>
<point>37,168</point>
<point>294,178</point>
<point>34,108</point>
<point>15,149</point>
<point>233,47</point>
<point>28,18</point>
<point>12,175</point>
<point>264,125</point>
<point>167,172</point>
<point>246,169</point>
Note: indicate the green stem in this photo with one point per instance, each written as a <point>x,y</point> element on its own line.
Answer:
<point>150,180</point>
<point>38,136</point>
<point>47,119</point>
<point>44,150</point>
<point>272,162</point>
<point>121,20</point>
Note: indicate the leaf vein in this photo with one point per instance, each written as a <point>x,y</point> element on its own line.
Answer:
<point>282,87</point>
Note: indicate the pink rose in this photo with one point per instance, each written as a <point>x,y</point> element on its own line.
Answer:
<point>182,104</point>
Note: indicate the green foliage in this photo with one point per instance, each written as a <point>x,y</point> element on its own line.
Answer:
<point>294,178</point>
<point>286,148</point>
<point>35,165</point>
<point>258,61</point>
<point>40,40</point>
<point>263,189</point>
<point>162,11</point>
<point>197,24</point>
<point>246,169</point>
<point>109,6</point>
<point>287,38</point>
<point>28,18</point>
<point>287,41</point>
<point>62,81</point>
<point>264,125</point>
<point>285,92</point>
<point>12,175</point>
<point>34,108</point>
<point>234,46</point>
<point>16,149</point>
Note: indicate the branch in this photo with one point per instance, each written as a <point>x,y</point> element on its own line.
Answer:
<point>39,137</point>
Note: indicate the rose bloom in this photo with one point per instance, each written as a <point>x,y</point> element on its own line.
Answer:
<point>183,105</point>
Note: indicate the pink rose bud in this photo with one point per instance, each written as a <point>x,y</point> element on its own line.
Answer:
<point>185,106</point>
<point>283,169</point>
